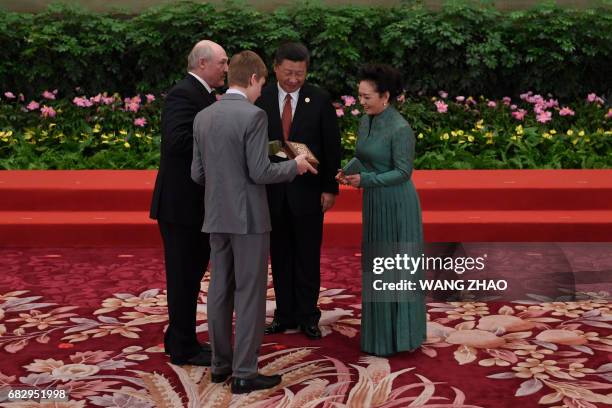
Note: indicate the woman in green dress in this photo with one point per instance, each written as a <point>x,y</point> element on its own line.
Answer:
<point>391,321</point>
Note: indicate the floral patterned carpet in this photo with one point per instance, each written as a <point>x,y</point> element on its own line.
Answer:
<point>90,322</point>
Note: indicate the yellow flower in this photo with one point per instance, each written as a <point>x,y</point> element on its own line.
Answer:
<point>126,145</point>
<point>470,138</point>
<point>569,132</point>
<point>420,136</point>
<point>445,136</point>
<point>453,133</point>
<point>553,132</point>
<point>97,128</point>
<point>123,132</point>
<point>519,130</point>
<point>575,141</point>
<point>51,125</point>
<point>581,133</point>
<point>460,132</point>
<point>547,135</point>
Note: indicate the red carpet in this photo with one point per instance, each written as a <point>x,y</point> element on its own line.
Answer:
<point>90,321</point>
<point>110,208</point>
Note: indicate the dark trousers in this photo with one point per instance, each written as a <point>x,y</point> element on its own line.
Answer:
<point>186,254</point>
<point>295,251</point>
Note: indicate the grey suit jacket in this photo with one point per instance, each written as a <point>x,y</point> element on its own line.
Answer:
<point>230,158</point>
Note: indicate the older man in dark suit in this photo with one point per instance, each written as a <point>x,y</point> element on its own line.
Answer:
<point>178,202</point>
<point>300,112</point>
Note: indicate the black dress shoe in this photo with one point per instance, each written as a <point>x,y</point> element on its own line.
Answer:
<point>203,347</point>
<point>219,378</point>
<point>277,327</point>
<point>201,359</point>
<point>261,382</point>
<point>311,331</point>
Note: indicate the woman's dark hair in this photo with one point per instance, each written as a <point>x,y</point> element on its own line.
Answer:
<point>292,51</point>
<point>384,77</point>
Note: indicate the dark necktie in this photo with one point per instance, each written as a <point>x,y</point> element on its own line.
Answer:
<point>286,117</point>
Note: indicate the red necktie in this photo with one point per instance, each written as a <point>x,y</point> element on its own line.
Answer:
<point>286,117</point>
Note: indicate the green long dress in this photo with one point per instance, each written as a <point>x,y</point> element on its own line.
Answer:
<point>391,219</point>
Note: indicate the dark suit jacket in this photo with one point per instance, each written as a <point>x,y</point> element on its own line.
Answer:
<point>177,198</point>
<point>315,124</point>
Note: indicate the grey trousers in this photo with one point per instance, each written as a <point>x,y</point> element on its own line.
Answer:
<point>239,278</point>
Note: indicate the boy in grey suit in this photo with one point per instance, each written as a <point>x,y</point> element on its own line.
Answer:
<point>230,157</point>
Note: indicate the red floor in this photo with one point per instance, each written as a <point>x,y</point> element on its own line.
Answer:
<point>110,208</point>
<point>90,321</point>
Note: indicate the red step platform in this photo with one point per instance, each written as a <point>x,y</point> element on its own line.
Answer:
<point>110,208</point>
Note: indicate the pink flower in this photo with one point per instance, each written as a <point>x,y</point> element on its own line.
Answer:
<point>83,102</point>
<point>460,98</point>
<point>355,112</point>
<point>33,106</point>
<point>524,96</point>
<point>552,103</point>
<point>132,107</point>
<point>519,114</point>
<point>348,100</point>
<point>441,106</point>
<point>593,98</point>
<point>140,122</point>
<point>544,117</point>
<point>566,112</point>
<point>492,104</point>
<point>9,95</point>
<point>443,94</point>
<point>513,107</point>
<point>609,115</point>
<point>48,95</point>
<point>108,100</point>
<point>339,112</point>
<point>47,112</point>
<point>132,104</point>
<point>21,97</point>
<point>538,108</point>
<point>150,98</point>
<point>507,100</point>
<point>96,99</point>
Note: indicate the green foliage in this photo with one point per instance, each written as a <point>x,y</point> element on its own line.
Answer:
<point>462,48</point>
<point>111,132</point>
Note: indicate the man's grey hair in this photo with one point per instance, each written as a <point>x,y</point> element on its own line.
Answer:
<point>202,50</point>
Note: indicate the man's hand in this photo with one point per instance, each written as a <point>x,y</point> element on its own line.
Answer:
<point>327,201</point>
<point>303,166</point>
<point>341,177</point>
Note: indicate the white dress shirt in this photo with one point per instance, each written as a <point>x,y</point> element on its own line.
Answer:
<point>281,100</point>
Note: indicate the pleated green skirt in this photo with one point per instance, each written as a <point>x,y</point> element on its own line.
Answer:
<point>391,222</point>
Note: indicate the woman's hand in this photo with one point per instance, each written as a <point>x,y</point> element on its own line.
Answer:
<point>353,180</point>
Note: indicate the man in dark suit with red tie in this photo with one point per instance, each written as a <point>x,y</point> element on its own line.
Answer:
<point>178,202</point>
<point>300,112</point>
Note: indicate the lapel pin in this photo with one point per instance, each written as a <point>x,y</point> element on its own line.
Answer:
<point>307,100</point>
